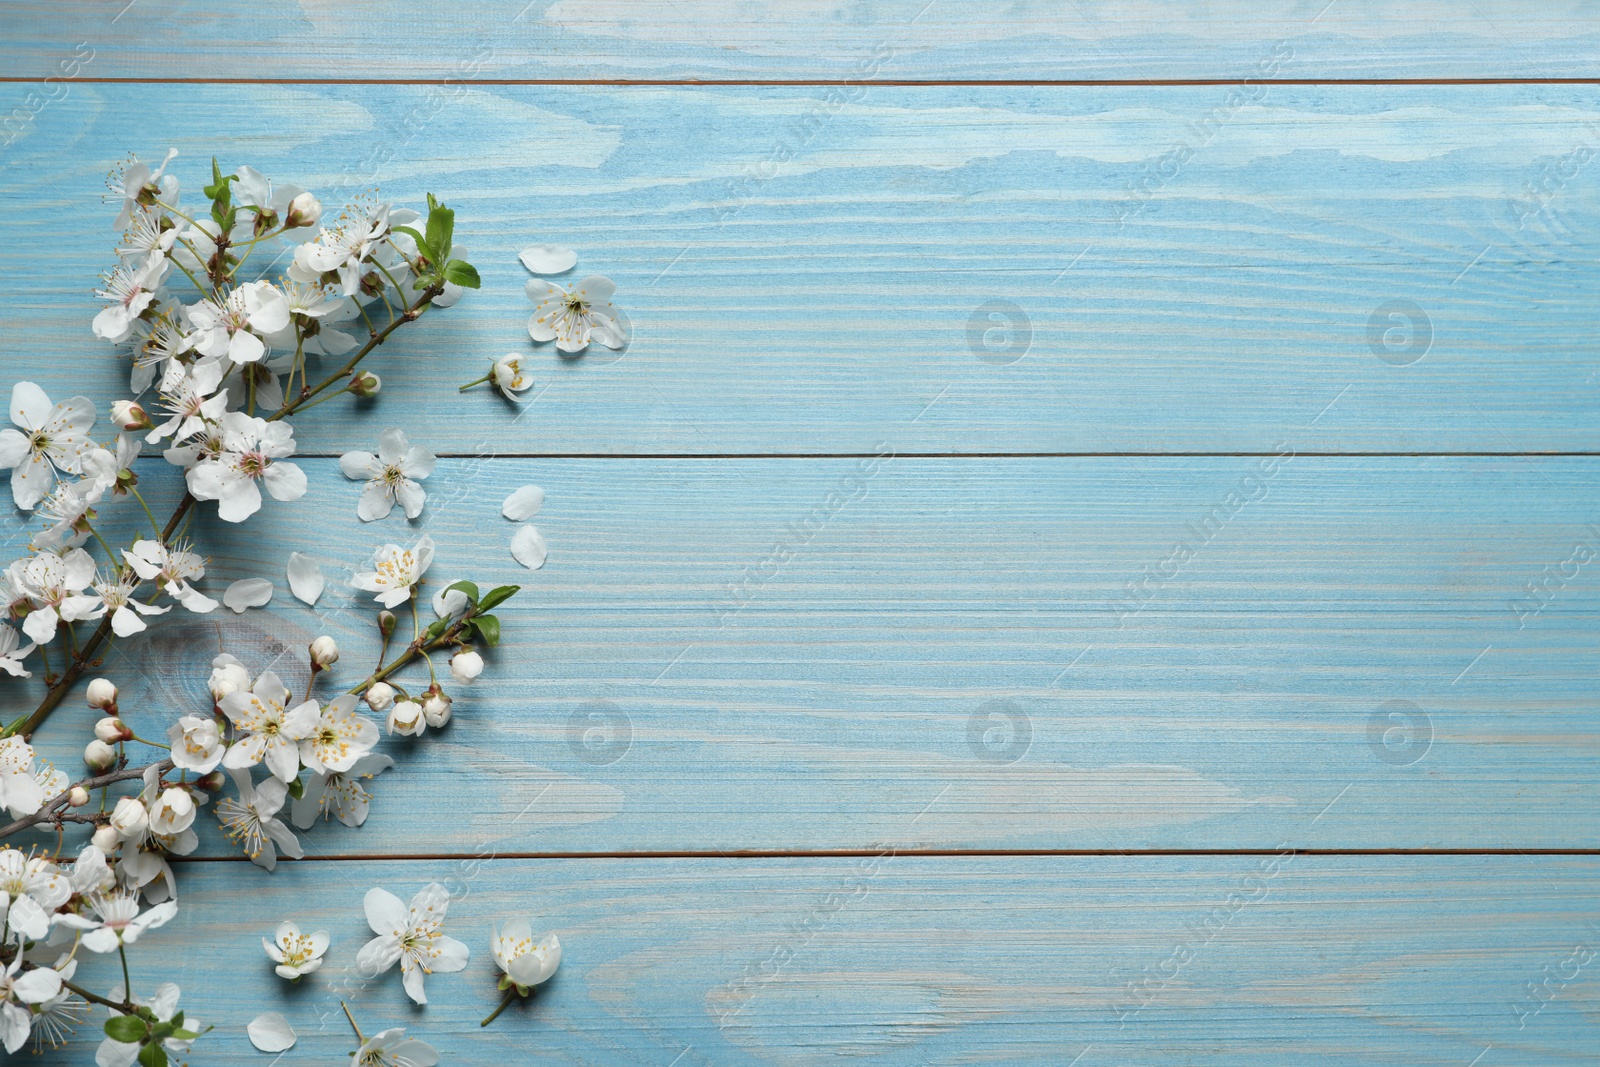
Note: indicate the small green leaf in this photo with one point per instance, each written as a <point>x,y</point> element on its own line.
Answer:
<point>161,1031</point>
<point>128,1028</point>
<point>469,588</point>
<point>153,1056</point>
<point>177,1020</point>
<point>184,1035</point>
<point>435,630</point>
<point>489,627</point>
<point>441,227</point>
<point>297,789</point>
<point>497,596</point>
<point>460,272</point>
<point>422,243</point>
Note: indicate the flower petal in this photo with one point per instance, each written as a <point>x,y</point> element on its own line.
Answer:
<point>385,914</point>
<point>248,593</point>
<point>30,407</point>
<point>523,504</point>
<point>305,577</point>
<point>548,259</point>
<point>271,1032</point>
<point>360,466</point>
<point>528,547</point>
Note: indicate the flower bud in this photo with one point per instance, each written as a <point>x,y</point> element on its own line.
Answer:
<point>324,653</point>
<point>304,210</point>
<point>106,840</point>
<point>112,729</point>
<point>365,384</point>
<point>466,665</point>
<point>173,812</point>
<point>102,695</point>
<point>128,415</point>
<point>77,796</point>
<point>436,709</point>
<point>386,623</point>
<point>228,676</point>
<point>211,783</point>
<point>406,719</point>
<point>99,755</point>
<point>380,696</point>
<point>129,818</point>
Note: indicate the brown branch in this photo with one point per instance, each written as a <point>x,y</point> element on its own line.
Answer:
<point>48,813</point>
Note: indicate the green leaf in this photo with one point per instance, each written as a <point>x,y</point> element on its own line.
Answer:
<point>153,1056</point>
<point>161,1031</point>
<point>435,630</point>
<point>441,228</point>
<point>297,789</point>
<point>218,189</point>
<point>129,1028</point>
<point>184,1035</point>
<point>460,272</point>
<point>422,242</point>
<point>497,596</point>
<point>489,627</point>
<point>469,588</point>
<point>177,1020</point>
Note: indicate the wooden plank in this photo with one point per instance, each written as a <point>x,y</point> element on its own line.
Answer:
<point>811,275</point>
<point>899,960</point>
<point>799,654</point>
<point>888,39</point>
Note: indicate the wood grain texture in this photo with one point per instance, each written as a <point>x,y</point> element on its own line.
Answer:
<point>899,960</point>
<point>803,654</point>
<point>807,273</point>
<point>813,39</point>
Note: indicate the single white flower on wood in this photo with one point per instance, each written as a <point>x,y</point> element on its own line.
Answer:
<point>253,450</point>
<point>574,317</point>
<point>413,937</point>
<point>394,571</point>
<point>339,737</point>
<point>114,919</point>
<point>391,476</point>
<point>271,730</point>
<point>48,438</point>
<point>252,820</point>
<point>392,1048</point>
<point>295,953</point>
<point>526,962</point>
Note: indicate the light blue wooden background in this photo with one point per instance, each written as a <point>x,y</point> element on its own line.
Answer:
<point>790,850</point>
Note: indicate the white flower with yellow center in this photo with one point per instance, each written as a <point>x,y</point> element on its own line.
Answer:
<point>391,476</point>
<point>114,919</point>
<point>272,729</point>
<point>196,744</point>
<point>20,791</point>
<point>394,571</point>
<point>49,438</point>
<point>36,887</point>
<point>527,962</point>
<point>392,1048</point>
<point>574,317</point>
<point>412,937</point>
<point>253,450</point>
<point>340,737</point>
<point>252,820</point>
<point>295,953</point>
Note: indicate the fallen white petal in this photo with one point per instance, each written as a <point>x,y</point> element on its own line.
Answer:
<point>528,547</point>
<point>247,593</point>
<point>523,504</point>
<point>305,577</point>
<point>271,1032</point>
<point>548,259</point>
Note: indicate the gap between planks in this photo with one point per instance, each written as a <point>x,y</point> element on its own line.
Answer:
<point>961,455</point>
<point>932,853</point>
<point>917,83</point>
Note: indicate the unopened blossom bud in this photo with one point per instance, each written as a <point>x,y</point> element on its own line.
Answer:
<point>466,665</point>
<point>102,695</point>
<point>99,755</point>
<point>112,729</point>
<point>211,783</point>
<point>406,719</point>
<point>77,796</point>
<point>173,812</point>
<point>128,415</point>
<point>365,384</point>
<point>227,676</point>
<point>435,706</point>
<point>324,653</point>
<point>106,839</point>
<point>304,210</point>
<point>129,818</point>
<point>386,624</point>
<point>380,697</point>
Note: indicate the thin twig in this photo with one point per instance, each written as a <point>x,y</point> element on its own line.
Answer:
<point>48,812</point>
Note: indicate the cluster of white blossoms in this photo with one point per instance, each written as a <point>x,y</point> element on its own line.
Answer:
<point>226,359</point>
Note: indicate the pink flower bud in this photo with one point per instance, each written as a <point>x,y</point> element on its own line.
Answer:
<point>128,415</point>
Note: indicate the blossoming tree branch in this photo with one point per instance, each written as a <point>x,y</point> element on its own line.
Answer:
<point>231,358</point>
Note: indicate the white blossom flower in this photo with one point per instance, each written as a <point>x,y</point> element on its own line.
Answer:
<point>270,729</point>
<point>265,198</point>
<point>577,316</point>
<point>252,820</point>
<point>527,963</point>
<point>228,675</point>
<point>236,325</point>
<point>149,233</point>
<point>392,475</point>
<point>55,583</point>
<point>115,595</point>
<point>17,993</point>
<point>394,571</point>
<point>160,351</point>
<point>115,919</point>
<point>465,666</point>
<point>63,512</point>
<point>412,937</point>
<point>137,186</point>
<point>50,438</point>
<point>114,1053</point>
<point>190,406</point>
<point>129,289</point>
<point>91,874</point>
<point>20,791</point>
<point>130,818</point>
<point>339,794</point>
<point>508,374</point>
<point>196,744</point>
<point>295,953</point>
<point>171,568</point>
<point>11,656</point>
<point>253,450</point>
<point>172,813</point>
<point>339,737</point>
<point>392,1048</point>
<point>57,1018</point>
<point>406,719</point>
<point>35,888</point>
<point>339,252</point>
